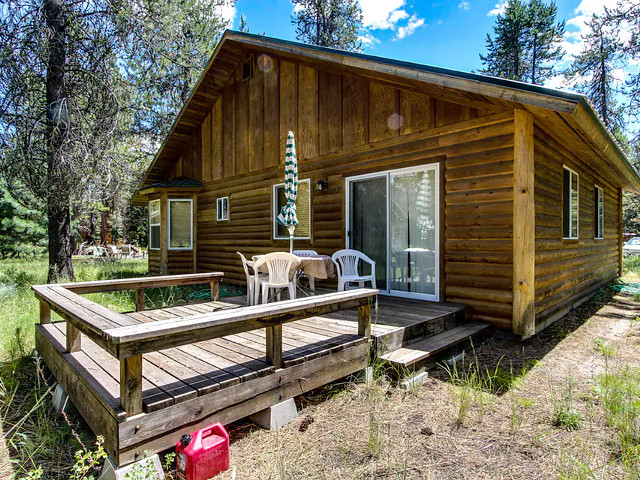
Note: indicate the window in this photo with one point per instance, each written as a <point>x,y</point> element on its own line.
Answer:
<point>222,209</point>
<point>154,224</point>
<point>570,203</point>
<point>598,214</point>
<point>303,210</point>
<point>180,224</point>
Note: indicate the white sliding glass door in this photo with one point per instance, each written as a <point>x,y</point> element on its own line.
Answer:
<point>393,217</point>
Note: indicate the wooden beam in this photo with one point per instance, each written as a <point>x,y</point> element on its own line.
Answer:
<point>620,232</point>
<point>215,290</point>
<point>523,315</point>
<point>131,384</point>
<point>140,282</point>
<point>274,345</point>
<point>140,306</point>
<point>45,313</point>
<point>194,220</point>
<point>164,234</point>
<point>364,321</point>
<point>74,339</point>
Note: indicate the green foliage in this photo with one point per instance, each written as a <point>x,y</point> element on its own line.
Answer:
<point>593,72</point>
<point>525,43</point>
<point>88,462</point>
<point>328,23</point>
<point>620,394</point>
<point>22,230</point>
<point>564,413</point>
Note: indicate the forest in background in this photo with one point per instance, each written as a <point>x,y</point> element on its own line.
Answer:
<point>89,89</point>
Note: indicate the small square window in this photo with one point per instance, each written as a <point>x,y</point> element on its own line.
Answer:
<point>222,209</point>
<point>303,207</point>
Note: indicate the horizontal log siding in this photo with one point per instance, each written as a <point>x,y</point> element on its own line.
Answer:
<point>347,125</point>
<point>154,262</point>
<point>478,218</point>
<point>569,270</point>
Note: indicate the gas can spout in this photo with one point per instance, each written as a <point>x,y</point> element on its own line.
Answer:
<point>185,440</point>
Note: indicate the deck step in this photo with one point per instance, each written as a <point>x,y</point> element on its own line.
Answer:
<point>422,351</point>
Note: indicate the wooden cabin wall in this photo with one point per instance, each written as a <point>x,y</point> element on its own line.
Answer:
<point>154,261</point>
<point>346,125</point>
<point>567,271</point>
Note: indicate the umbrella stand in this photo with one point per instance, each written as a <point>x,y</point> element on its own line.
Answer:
<point>291,229</point>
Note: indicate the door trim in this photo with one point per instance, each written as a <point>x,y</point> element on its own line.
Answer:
<point>437,218</point>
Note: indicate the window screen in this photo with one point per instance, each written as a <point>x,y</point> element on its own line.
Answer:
<point>154,224</point>
<point>303,210</point>
<point>570,203</point>
<point>180,224</point>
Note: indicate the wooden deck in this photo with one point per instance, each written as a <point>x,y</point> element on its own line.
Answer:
<point>224,378</point>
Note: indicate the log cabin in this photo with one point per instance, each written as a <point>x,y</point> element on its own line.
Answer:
<point>502,196</point>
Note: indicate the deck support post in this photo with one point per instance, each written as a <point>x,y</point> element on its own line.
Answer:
<point>274,345</point>
<point>131,384</point>
<point>45,313</point>
<point>215,290</point>
<point>524,226</point>
<point>74,342</point>
<point>140,306</point>
<point>364,321</point>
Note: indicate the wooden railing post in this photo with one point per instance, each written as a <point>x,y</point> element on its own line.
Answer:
<point>364,321</point>
<point>215,290</point>
<point>45,313</point>
<point>131,384</point>
<point>140,306</point>
<point>274,345</point>
<point>74,343</point>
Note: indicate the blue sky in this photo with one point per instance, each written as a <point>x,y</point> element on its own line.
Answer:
<point>442,33</point>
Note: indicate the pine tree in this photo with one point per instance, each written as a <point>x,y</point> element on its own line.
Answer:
<point>592,71</point>
<point>23,230</point>
<point>243,24</point>
<point>544,36</point>
<point>525,42</point>
<point>328,23</point>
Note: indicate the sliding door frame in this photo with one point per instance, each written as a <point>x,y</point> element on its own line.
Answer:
<point>437,218</point>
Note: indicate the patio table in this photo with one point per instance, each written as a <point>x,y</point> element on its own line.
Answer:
<point>316,266</point>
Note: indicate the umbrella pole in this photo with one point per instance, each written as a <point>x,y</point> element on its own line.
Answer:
<point>290,239</point>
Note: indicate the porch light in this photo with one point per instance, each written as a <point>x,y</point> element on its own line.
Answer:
<point>321,185</point>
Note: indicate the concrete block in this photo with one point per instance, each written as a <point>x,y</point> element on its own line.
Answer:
<point>414,380</point>
<point>277,415</point>
<point>60,399</point>
<point>149,467</point>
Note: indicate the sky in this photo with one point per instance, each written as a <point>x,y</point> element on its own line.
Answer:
<point>442,33</point>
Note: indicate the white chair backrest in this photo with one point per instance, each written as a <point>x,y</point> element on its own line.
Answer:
<point>279,265</point>
<point>245,265</point>
<point>347,261</point>
<point>304,253</point>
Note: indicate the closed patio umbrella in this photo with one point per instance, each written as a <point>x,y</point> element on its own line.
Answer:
<point>288,217</point>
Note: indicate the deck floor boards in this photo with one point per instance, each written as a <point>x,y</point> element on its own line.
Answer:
<point>177,374</point>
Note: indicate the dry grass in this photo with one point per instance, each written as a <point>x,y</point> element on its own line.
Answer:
<point>507,433</point>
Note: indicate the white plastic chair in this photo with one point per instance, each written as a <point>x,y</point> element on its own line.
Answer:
<point>307,253</point>
<point>251,280</point>
<point>347,261</point>
<point>281,268</point>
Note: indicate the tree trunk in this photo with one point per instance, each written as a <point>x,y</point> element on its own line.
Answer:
<point>60,266</point>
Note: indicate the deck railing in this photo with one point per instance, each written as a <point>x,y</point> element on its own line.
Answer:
<point>128,339</point>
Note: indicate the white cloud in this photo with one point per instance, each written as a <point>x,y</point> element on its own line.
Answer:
<point>382,14</point>
<point>227,11</point>
<point>413,23</point>
<point>464,5</point>
<point>498,9</point>
<point>391,15</point>
<point>368,40</point>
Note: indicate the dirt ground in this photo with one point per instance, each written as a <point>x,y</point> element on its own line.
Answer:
<point>382,432</point>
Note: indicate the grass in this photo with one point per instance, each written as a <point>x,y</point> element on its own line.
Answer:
<point>565,414</point>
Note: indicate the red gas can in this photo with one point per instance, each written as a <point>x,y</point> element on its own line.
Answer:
<point>202,454</point>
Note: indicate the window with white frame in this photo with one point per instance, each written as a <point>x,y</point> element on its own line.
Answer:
<point>222,209</point>
<point>154,224</point>
<point>598,214</point>
<point>570,204</point>
<point>180,224</point>
<point>303,210</point>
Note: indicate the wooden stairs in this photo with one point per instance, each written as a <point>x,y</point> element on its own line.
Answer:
<point>423,349</point>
